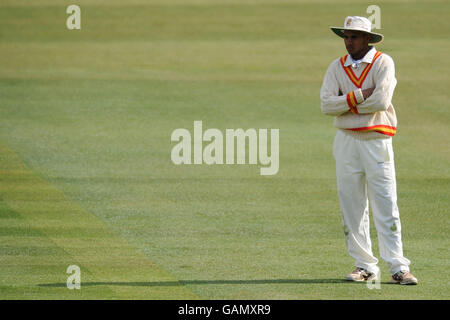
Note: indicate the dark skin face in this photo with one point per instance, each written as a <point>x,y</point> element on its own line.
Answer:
<point>356,43</point>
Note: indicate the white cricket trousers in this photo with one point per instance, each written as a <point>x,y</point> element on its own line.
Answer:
<point>365,173</point>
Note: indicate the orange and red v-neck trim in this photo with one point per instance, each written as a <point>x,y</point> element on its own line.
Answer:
<point>358,81</point>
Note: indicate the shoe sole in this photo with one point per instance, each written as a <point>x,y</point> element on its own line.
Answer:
<point>408,283</point>
<point>372,278</point>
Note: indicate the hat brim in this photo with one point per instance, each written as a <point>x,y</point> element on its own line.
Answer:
<point>374,37</point>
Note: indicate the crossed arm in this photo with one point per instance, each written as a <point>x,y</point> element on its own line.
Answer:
<point>367,92</point>
<point>359,101</point>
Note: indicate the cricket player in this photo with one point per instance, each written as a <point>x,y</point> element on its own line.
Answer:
<point>357,90</point>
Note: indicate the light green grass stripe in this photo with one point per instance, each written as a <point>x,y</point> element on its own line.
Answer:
<point>110,260</point>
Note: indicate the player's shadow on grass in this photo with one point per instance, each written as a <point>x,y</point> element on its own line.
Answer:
<point>203,282</point>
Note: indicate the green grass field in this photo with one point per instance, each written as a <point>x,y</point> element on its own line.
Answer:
<point>86,176</point>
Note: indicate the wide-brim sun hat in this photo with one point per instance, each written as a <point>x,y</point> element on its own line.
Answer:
<point>355,23</point>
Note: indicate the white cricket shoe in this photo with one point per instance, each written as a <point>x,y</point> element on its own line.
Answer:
<point>404,277</point>
<point>361,274</point>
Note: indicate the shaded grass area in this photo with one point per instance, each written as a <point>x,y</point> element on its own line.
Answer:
<point>43,232</point>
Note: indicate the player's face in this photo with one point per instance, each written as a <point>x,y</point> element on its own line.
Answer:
<point>356,43</point>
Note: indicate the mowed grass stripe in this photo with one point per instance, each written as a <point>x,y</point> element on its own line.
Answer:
<point>28,257</point>
<point>106,257</point>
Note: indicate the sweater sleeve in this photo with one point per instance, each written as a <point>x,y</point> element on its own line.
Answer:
<point>385,83</point>
<point>333,102</point>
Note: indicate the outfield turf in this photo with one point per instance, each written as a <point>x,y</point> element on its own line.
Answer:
<point>86,176</point>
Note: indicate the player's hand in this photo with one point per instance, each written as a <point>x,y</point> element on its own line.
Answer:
<point>367,92</point>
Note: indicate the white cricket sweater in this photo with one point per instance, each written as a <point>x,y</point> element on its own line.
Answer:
<point>341,95</point>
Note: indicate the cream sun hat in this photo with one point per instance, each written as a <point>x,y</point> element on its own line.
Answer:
<point>355,23</point>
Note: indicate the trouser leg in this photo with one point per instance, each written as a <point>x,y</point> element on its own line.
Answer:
<point>378,158</point>
<point>352,191</point>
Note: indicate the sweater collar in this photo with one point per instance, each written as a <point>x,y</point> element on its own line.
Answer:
<point>367,58</point>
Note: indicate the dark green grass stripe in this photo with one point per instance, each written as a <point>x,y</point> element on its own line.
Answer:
<point>83,236</point>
